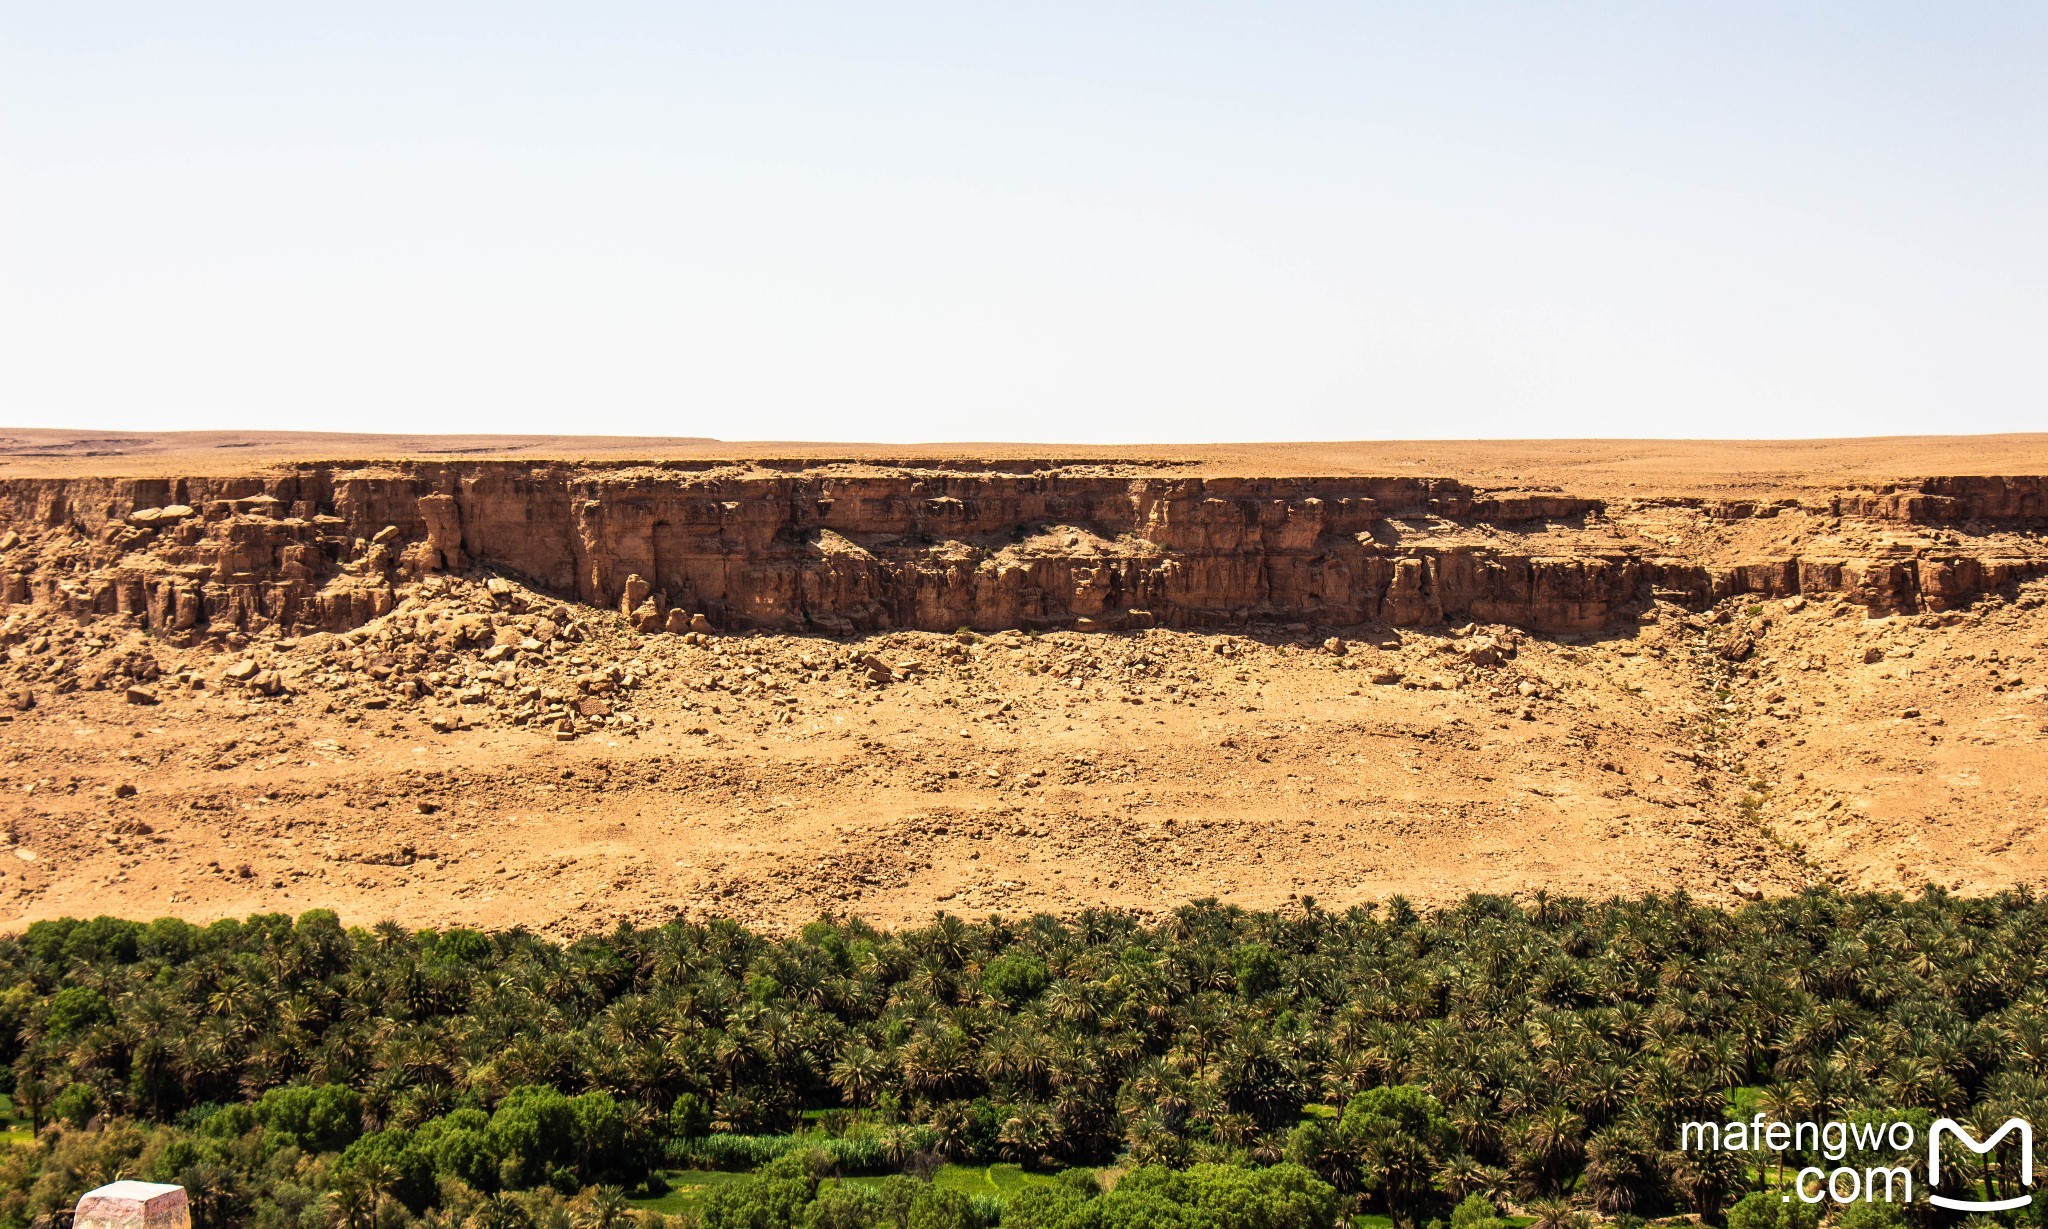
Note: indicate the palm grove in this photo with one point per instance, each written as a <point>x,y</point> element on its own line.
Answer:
<point>1238,1069</point>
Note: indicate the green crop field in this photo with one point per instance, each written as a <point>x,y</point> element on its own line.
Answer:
<point>687,1189</point>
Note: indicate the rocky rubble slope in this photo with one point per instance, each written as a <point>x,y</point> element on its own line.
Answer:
<point>483,754</point>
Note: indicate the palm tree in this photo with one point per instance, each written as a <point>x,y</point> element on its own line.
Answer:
<point>603,1207</point>
<point>1463,1176</point>
<point>1780,1103</point>
<point>1554,1214</point>
<point>1703,1179</point>
<point>1618,1168</point>
<point>858,1074</point>
<point>31,1094</point>
<point>898,1144</point>
<point>1151,1141</point>
<point>1547,1147</point>
<point>499,1211</point>
<point>1027,1134</point>
<point>354,1204</point>
<point>212,1190</point>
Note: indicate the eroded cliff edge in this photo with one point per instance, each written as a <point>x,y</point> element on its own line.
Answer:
<point>802,547</point>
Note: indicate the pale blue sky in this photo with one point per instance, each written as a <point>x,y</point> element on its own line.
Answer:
<point>1066,222</point>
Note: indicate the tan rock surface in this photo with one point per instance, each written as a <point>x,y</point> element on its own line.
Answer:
<point>128,1204</point>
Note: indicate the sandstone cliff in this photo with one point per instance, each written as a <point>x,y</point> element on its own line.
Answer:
<point>844,549</point>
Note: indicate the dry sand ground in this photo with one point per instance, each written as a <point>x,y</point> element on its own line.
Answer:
<point>770,778</point>
<point>1595,468</point>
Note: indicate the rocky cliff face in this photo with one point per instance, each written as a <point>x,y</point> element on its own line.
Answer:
<point>844,550</point>
<point>1960,500</point>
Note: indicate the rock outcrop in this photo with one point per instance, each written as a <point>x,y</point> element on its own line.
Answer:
<point>840,551</point>
<point>1956,500</point>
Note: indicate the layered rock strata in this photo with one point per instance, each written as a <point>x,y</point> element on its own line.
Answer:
<point>785,548</point>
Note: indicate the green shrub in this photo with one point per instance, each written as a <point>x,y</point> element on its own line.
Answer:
<point>462,944</point>
<point>169,939</point>
<point>1014,979</point>
<point>464,1153</point>
<point>937,1208</point>
<point>1257,970</point>
<point>532,1132</point>
<point>323,1119</point>
<point>1878,1214</point>
<point>75,1009</point>
<point>689,1117</point>
<point>1476,1211</point>
<point>844,1207</point>
<point>1042,1206</point>
<point>1771,1210</point>
<point>770,1200</point>
<point>1213,1197</point>
<point>601,1150</point>
<point>857,1154</point>
<point>65,941</point>
<point>76,1105</point>
<point>389,1155</point>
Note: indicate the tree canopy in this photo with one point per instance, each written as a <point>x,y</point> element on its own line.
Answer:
<point>1403,1060</point>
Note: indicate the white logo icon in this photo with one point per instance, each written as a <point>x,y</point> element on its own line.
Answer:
<point>1969,1141</point>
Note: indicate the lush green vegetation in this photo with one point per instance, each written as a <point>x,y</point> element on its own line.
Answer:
<point>1236,1069</point>
<point>791,1191</point>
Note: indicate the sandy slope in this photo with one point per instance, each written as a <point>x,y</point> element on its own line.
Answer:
<point>769,778</point>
